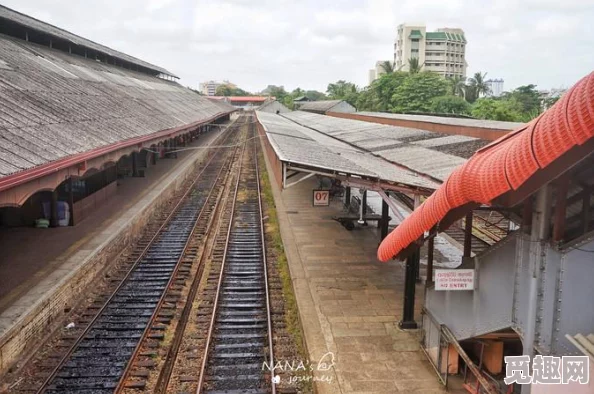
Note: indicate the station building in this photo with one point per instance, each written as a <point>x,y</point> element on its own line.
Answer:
<point>84,131</point>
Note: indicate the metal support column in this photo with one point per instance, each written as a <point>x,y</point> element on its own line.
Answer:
<point>417,261</point>
<point>468,235</point>
<point>385,220</point>
<point>347,198</point>
<point>363,208</point>
<point>539,233</point>
<point>430,249</point>
<point>408,311</point>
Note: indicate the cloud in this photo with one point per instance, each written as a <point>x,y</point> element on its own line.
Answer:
<point>311,43</point>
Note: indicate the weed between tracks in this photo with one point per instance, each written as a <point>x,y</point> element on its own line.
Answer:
<point>276,251</point>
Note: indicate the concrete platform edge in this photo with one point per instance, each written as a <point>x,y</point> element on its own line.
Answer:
<point>316,346</point>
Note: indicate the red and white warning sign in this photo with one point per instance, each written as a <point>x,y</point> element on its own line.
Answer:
<point>321,198</point>
<point>462,279</point>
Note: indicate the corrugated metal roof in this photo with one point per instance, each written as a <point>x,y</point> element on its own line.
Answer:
<point>400,145</point>
<point>301,145</point>
<point>35,24</point>
<point>323,105</point>
<point>487,124</point>
<point>53,105</point>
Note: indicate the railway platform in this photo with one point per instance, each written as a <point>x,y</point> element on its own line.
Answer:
<point>42,271</point>
<point>349,303</point>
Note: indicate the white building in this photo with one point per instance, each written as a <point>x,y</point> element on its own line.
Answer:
<point>209,88</point>
<point>443,51</point>
<point>376,72</point>
<point>496,86</point>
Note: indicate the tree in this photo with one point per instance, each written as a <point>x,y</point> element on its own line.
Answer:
<point>414,66</point>
<point>315,95</point>
<point>388,67</point>
<point>479,85</point>
<point>494,109</point>
<point>450,105</point>
<point>416,92</point>
<point>382,90</point>
<point>278,92</point>
<point>343,90</point>
<point>226,90</point>
<point>458,85</point>
<point>527,97</point>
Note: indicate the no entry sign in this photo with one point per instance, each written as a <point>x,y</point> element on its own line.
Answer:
<point>462,279</point>
<point>321,198</point>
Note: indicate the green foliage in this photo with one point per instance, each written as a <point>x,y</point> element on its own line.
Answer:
<point>226,90</point>
<point>527,97</point>
<point>388,67</point>
<point>413,65</point>
<point>314,95</point>
<point>343,90</point>
<point>457,85</point>
<point>416,92</point>
<point>494,109</point>
<point>450,105</point>
<point>277,91</point>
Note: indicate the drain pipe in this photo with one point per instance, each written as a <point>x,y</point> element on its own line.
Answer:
<point>541,218</point>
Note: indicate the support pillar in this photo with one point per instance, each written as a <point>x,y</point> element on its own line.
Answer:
<point>385,220</point>
<point>417,262</point>
<point>134,164</point>
<point>54,209</point>
<point>538,236</point>
<point>430,249</point>
<point>71,200</point>
<point>347,198</point>
<point>468,235</point>
<point>408,310</point>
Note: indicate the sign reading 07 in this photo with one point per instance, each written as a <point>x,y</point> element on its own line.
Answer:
<point>321,198</point>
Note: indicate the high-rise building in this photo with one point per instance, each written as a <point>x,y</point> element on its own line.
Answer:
<point>495,86</point>
<point>209,88</point>
<point>443,51</point>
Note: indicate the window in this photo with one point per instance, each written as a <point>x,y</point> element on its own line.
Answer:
<point>415,40</point>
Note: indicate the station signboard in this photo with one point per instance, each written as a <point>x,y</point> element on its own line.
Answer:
<point>452,279</point>
<point>321,198</point>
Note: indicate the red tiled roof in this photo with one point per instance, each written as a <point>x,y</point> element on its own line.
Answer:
<point>505,165</point>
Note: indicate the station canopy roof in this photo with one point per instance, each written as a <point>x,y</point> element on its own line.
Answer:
<point>425,153</point>
<point>310,149</point>
<point>444,120</point>
<point>400,155</point>
<point>8,15</point>
<point>54,106</point>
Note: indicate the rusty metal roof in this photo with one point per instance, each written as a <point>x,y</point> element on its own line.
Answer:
<point>53,105</point>
<point>46,28</point>
<point>424,152</point>
<point>486,124</point>
<point>297,144</point>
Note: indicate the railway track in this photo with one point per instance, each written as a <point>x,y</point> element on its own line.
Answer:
<point>239,336</point>
<point>99,358</point>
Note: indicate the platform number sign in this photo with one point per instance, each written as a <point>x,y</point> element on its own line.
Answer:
<point>321,198</point>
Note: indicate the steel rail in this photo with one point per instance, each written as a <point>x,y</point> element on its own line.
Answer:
<point>135,265</point>
<point>166,371</point>
<point>204,208</point>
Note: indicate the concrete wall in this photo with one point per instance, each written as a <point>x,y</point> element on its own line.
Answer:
<point>489,307</point>
<point>68,284</point>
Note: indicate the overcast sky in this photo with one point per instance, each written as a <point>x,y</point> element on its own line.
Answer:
<point>309,43</point>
